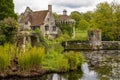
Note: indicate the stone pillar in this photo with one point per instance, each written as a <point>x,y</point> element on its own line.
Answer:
<point>94,38</point>
<point>24,42</point>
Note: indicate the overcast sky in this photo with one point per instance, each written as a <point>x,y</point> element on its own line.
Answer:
<point>58,5</point>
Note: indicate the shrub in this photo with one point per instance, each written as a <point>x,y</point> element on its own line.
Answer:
<point>55,61</point>
<point>74,59</point>
<point>31,58</point>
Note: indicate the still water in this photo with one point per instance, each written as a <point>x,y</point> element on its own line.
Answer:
<point>111,71</point>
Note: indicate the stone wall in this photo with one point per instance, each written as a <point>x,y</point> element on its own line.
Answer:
<point>78,45</point>
<point>109,60</point>
<point>94,43</point>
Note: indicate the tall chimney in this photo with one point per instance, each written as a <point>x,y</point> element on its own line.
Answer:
<point>64,12</point>
<point>50,8</point>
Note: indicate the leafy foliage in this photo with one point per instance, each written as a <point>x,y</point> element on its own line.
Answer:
<point>7,9</point>
<point>55,61</point>
<point>8,29</point>
<point>83,25</point>
<point>66,28</point>
<point>74,59</point>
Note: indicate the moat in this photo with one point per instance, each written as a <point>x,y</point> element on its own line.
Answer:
<point>99,65</point>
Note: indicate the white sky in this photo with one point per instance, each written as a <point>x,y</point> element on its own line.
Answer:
<point>58,5</point>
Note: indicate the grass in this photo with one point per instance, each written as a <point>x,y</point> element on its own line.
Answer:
<point>80,35</point>
<point>55,62</point>
<point>6,55</point>
<point>31,59</point>
<point>35,58</point>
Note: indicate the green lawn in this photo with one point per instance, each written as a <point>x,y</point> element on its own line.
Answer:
<point>80,35</point>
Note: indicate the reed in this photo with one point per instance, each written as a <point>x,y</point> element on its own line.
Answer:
<point>31,59</point>
<point>6,55</point>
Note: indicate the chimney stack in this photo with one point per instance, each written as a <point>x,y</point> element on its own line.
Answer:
<point>50,8</point>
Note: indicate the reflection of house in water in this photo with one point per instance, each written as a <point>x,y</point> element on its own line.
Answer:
<point>30,21</point>
<point>65,19</point>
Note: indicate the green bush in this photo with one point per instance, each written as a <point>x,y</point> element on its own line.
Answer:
<point>31,58</point>
<point>74,59</point>
<point>55,61</point>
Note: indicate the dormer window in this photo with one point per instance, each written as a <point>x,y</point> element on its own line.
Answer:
<point>47,28</point>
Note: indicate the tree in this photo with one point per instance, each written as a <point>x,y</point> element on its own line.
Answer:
<point>7,9</point>
<point>66,28</point>
<point>56,16</point>
<point>103,15</point>
<point>106,17</point>
<point>83,25</point>
<point>77,17</point>
<point>8,29</point>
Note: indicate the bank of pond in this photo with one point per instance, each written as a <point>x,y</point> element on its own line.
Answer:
<point>35,62</point>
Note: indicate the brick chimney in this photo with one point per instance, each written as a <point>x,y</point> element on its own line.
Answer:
<point>50,8</point>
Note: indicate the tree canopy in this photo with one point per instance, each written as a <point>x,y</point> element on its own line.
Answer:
<point>7,9</point>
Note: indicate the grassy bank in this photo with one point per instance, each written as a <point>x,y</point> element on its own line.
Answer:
<point>35,59</point>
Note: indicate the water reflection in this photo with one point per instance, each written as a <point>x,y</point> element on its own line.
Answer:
<point>88,74</point>
<point>110,70</point>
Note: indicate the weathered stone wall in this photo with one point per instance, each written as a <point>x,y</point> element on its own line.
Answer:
<point>111,45</point>
<point>109,60</point>
<point>94,43</point>
<point>78,45</point>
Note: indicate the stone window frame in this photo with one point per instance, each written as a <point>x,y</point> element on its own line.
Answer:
<point>46,27</point>
<point>54,28</point>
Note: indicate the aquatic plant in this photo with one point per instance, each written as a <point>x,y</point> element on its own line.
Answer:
<point>31,59</point>
<point>55,61</point>
<point>7,53</point>
<point>75,59</point>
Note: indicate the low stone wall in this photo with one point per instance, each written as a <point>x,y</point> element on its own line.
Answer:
<point>85,45</point>
<point>111,45</point>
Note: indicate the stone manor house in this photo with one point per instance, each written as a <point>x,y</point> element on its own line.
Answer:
<point>44,21</point>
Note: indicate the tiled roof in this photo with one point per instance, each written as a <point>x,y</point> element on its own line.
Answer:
<point>64,17</point>
<point>35,18</point>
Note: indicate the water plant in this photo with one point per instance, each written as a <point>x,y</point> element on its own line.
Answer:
<point>55,61</point>
<point>6,55</point>
<point>31,59</point>
<point>75,59</point>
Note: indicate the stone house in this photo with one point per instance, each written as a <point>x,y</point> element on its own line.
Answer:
<point>43,20</point>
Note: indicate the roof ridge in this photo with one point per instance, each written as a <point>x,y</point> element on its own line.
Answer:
<point>40,11</point>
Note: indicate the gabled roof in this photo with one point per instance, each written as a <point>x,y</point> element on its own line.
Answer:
<point>37,18</point>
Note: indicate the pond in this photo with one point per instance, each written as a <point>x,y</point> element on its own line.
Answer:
<point>109,68</point>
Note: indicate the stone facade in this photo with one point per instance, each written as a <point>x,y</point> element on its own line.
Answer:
<point>94,38</point>
<point>43,20</point>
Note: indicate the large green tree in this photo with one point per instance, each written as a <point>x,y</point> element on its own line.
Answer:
<point>106,17</point>
<point>77,17</point>
<point>7,9</point>
<point>8,29</point>
<point>83,25</point>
